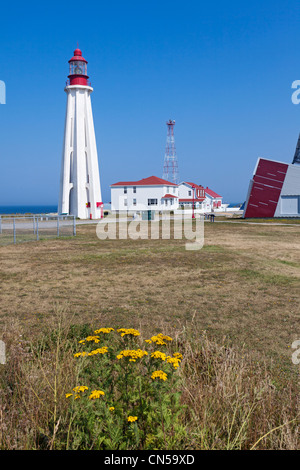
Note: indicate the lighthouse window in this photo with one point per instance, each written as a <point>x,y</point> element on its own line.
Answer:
<point>78,68</point>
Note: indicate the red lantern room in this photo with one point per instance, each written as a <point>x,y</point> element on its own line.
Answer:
<point>78,69</point>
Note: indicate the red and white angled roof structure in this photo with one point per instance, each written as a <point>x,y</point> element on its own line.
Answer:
<point>274,190</point>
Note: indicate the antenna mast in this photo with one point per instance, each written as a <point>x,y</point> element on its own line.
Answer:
<point>170,172</point>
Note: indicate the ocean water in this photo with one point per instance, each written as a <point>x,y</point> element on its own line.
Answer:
<point>27,209</point>
<point>33,209</point>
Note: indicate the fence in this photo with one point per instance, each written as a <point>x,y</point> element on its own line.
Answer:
<point>20,229</point>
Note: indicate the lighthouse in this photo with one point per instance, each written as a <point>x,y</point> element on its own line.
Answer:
<point>80,190</point>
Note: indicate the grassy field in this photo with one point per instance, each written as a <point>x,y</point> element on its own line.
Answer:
<point>243,285</point>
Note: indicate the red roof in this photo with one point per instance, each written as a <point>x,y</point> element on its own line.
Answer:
<point>211,193</point>
<point>151,181</point>
<point>77,56</point>
<point>168,196</point>
<point>197,186</point>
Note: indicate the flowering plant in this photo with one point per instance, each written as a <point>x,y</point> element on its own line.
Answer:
<point>127,395</point>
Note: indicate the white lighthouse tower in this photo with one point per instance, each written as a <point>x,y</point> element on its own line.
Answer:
<point>80,191</point>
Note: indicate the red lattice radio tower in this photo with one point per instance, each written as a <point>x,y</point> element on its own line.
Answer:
<point>170,172</point>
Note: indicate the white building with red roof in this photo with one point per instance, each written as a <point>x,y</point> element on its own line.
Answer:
<point>157,194</point>
<point>190,193</point>
<point>204,199</point>
<point>150,193</point>
<point>213,199</point>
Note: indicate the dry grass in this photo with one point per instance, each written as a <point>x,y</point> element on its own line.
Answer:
<point>243,285</point>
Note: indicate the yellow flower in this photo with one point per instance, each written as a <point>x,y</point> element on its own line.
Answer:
<point>96,394</point>
<point>160,339</point>
<point>131,419</point>
<point>83,353</point>
<point>159,374</point>
<point>148,341</point>
<point>178,355</point>
<point>68,395</point>
<point>93,338</point>
<point>133,354</point>
<point>111,408</point>
<point>80,388</point>
<point>103,330</point>
<point>128,331</point>
<point>173,360</point>
<point>159,355</point>
<point>98,351</point>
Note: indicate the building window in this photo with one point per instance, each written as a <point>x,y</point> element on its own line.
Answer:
<point>125,189</point>
<point>125,202</point>
<point>134,189</point>
<point>134,202</point>
<point>190,193</point>
<point>152,202</point>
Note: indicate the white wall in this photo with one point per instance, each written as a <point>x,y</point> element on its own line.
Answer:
<point>184,190</point>
<point>142,194</point>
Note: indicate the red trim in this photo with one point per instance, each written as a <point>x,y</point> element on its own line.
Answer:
<point>168,196</point>
<point>99,204</point>
<point>78,80</point>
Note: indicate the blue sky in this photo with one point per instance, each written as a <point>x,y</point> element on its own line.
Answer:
<point>222,70</point>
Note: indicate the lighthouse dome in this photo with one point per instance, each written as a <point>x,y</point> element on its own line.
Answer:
<point>78,56</point>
